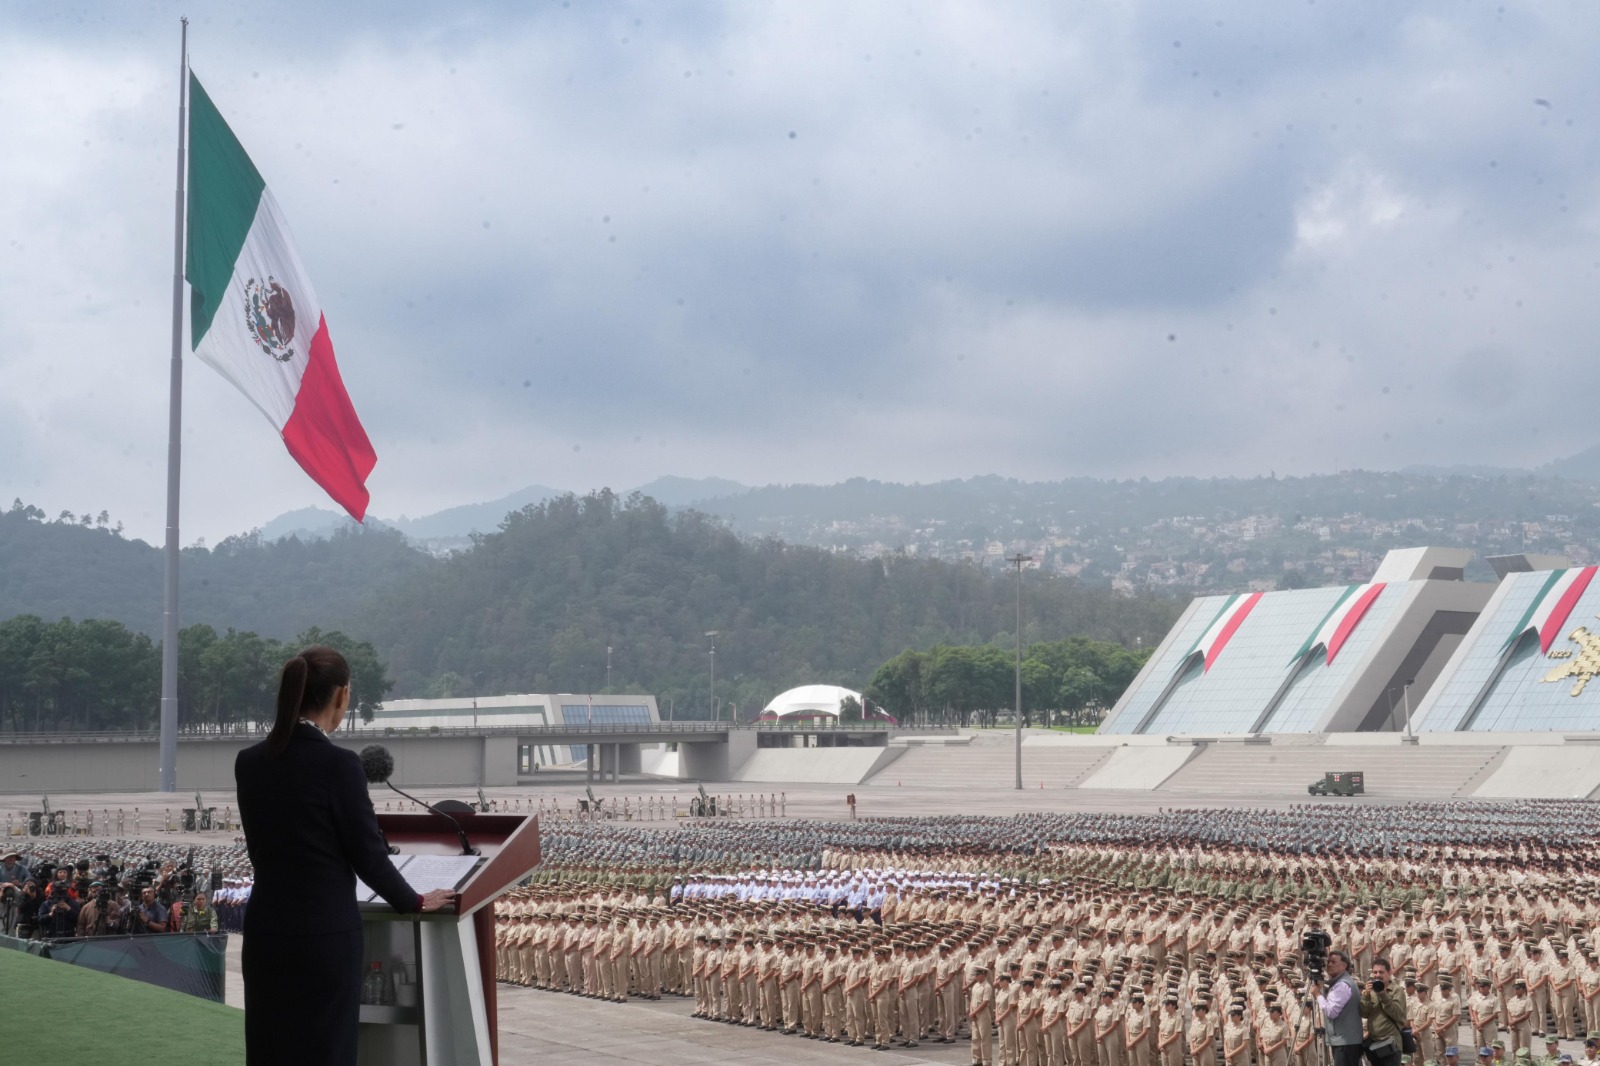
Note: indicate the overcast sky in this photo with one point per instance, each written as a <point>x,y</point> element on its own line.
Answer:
<point>593,244</point>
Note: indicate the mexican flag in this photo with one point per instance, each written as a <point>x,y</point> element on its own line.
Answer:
<point>1228,620</point>
<point>1548,612</point>
<point>254,316</point>
<point>1340,621</point>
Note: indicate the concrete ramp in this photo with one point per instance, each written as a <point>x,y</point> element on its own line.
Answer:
<point>1141,768</point>
<point>990,762</point>
<point>1395,771</point>
<point>822,766</point>
<point>659,762</point>
<point>1544,773</point>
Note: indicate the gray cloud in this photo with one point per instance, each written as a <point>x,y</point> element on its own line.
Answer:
<point>810,241</point>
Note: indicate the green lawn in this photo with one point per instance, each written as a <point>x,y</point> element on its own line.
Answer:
<point>118,1020</point>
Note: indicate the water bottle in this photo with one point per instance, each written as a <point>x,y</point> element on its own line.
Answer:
<point>372,987</point>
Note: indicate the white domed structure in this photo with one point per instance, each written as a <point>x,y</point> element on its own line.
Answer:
<point>809,702</point>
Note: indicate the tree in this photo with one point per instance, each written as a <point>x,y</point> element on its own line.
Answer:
<point>1080,687</point>
<point>1039,684</point>
<point>964,681</point>
<point>897,686</point>
<point>849,709</point>
<point>369,682</point>
<point>445,686</point>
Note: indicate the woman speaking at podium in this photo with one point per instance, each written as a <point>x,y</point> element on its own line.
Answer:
<point>310,830</point>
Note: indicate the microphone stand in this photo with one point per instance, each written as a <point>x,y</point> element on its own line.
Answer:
<point>466,847</point>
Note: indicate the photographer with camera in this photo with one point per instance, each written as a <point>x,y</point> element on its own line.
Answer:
<point>59,915</point>
<point>27,915</point>
<point>13,871</point>
<point>198,917</point>
<point>13,874</point>
<point>1339,1000</point>
<point>150,916</point>
<point>92,918</point>
<point>1383,1005</point>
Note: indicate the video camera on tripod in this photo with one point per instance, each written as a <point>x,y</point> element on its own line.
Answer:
<point>1314,945</point>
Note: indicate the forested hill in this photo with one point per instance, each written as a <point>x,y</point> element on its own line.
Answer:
<point>534,606</point>
<point>75,569</point>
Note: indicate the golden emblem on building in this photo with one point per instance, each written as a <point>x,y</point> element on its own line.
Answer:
<point>1582,665</point>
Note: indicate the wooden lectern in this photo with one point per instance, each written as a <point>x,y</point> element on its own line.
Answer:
<point>452,1018</point>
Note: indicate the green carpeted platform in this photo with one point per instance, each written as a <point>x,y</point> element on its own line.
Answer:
<point>53,1008</point>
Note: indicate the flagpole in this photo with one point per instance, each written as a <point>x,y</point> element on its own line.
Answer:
<point>169,612</point>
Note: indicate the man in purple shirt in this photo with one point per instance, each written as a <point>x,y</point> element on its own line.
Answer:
<point>1341,1012</point>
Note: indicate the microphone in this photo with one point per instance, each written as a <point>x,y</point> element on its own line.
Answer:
<point>378,764</point>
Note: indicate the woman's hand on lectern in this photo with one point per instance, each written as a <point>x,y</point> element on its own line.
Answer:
<point>438,900</point>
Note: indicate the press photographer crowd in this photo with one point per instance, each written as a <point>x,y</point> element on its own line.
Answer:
<point>120,888</point>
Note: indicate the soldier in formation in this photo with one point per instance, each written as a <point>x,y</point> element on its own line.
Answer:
<point>1065,940</point>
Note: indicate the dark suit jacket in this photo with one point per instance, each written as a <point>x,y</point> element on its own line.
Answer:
<point>310,829</point>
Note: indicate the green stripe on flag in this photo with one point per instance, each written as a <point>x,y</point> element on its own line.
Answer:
<point>224,192</point>
<point>1306,647</point>
<point>1229,602</point>
<point>1527,616</point>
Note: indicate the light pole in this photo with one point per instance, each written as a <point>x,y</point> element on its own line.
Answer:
<point>1018,559</point>
<point>669,708</point>
<point>713,634</point>
<point>608,668</point>
<point>1405,695</point>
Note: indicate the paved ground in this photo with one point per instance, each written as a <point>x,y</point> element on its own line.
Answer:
<point>964,796</point>
<point>553,1027</point>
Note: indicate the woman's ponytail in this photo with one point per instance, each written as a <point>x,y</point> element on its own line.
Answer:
<point>307,685</point>
<point>291,696</point>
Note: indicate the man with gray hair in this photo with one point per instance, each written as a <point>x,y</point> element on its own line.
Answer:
<point>1341,1010</point>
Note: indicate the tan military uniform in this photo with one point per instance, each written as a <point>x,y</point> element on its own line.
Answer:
<point>1202,1041</point>
<point>1053,1028</point>
<point>980,1012</point>
<point>1169,1037</point>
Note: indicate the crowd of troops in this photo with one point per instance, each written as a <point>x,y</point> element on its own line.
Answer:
<point>1084,939</point>
<point>1101,940</point>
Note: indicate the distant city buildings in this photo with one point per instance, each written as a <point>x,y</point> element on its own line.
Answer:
<point>1198,553</point>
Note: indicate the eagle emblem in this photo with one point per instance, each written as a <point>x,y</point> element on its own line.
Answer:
<point>1582,667</point>
<point>269,316</point>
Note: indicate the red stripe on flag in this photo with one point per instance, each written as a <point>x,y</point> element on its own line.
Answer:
<point>1558,617</point>
<point>1228,630</point>
<point>1347,625</point>
<point>325,436</point>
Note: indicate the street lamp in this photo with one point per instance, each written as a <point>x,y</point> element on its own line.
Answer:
<point>608,668</point>
<point>1018,559</point>
<point>1405,695</point>
<point>713,634</point>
